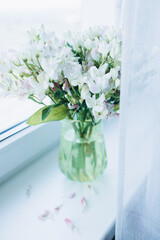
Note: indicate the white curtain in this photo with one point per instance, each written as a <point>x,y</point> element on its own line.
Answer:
<point>138,208</point>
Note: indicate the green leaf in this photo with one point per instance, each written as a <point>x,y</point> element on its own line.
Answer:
<point>108,95</point>
<point>56,114</point>
<point>116,107</point>
<point>45,112</point>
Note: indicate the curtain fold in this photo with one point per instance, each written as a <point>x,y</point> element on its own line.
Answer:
<point>138,201</point>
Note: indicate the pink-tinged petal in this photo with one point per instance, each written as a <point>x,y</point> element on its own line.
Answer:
<point>72,196</point>
<point>68,221</point>
<point>83,200</point>
<point>73,106</point>
<point>83,203</point>
<point>70,224</point>
<point>58,208</point>
<point>45,215</point>
<point>66,85</point>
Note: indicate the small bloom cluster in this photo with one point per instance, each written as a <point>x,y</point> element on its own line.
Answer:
<point>80,70</point>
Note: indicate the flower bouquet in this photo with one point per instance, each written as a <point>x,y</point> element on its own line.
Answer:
<point>80,74</point>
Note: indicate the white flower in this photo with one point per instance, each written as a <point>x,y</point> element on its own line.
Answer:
<point>43,79</point>
<point>74,39</point>
<point>100,114</point>
<point>88,63</point>
<point>104,48</point>
<point>6,64</point>
<point>85,92</point>
<point>5,85</point>
<point>114,72</point>
<point>98,80</point>
<point>94,32</point>
<point>41,85</point>
<point>41,43</point>
<point>64,55</point>
<point>98,107</point>
<point>93,102</point>
<point>115,52</point>
<point>109,33</point>
<point>117,83</point>
<point>52,44</point>
<point>50,66</point>
<point>73,72</point>
<point>95,54</point>
<point>25,89</point>
<point>12,86</point>
<point>88,44</point>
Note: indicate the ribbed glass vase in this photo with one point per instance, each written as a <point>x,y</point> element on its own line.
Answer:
<point>82,154</point>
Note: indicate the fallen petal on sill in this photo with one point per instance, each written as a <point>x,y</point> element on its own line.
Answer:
<point>70,224</point>
<point>84,203</point>
<point>72,196</point>
<point>58,208</point>
<point>45,215</point>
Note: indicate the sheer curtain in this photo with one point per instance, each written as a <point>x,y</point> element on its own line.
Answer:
<point>138,208</point>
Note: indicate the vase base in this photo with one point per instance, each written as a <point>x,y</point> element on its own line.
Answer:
<point>83,177</point>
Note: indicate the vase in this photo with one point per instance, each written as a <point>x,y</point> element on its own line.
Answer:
<point>82,154</point>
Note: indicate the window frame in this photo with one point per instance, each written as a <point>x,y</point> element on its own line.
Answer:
<point>9,132</point>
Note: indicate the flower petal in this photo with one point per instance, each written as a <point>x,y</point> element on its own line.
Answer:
<point>83,203</point>
<point>45,215</point>
<point>70,224</point>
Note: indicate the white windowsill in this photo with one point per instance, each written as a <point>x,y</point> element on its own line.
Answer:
<point>19,214</point>
<point>26,146</point>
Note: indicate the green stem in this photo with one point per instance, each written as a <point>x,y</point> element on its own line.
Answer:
<point>31,70</point>
<point>37,101</point>
<point>51,98</point>
<point>14,76</point>
<point>74,90</point>
<point>82,161</point>
<point>39,63</point>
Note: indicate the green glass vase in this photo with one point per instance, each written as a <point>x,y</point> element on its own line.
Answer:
<point>82,154</point>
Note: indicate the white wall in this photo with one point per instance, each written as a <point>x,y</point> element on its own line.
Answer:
<point>98,12</point>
